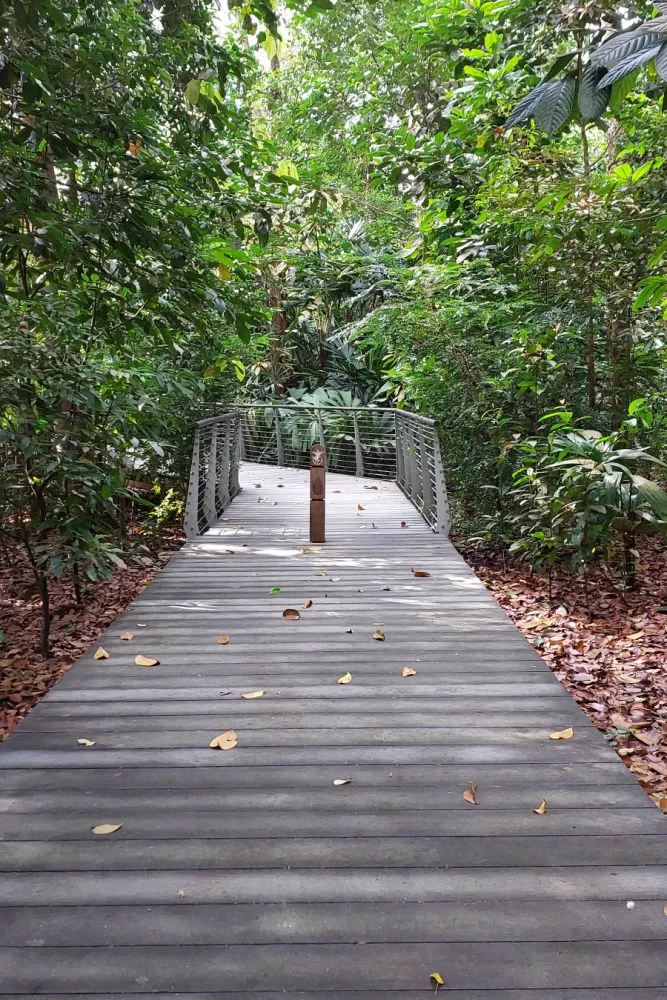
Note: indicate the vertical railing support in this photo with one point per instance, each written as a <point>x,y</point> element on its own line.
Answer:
<point>412,463</point>
<point>358,453</point>
<point>444,522</point>
<point>191,524</point>
<point>211,478</point>
<point>236,435</point>
<point>224,480</point>
<point>427,484</point>
<point>279,438</point>
<point>400,453</point>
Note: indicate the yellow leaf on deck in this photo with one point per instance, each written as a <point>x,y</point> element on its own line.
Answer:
<point>342,781</point>
<point>100,654</point>
<point>437,980</point>
<point>105,828</point>
<point>470,794</point>
<point>225,741</point>
<point>86,743</point>
<point>563,734</point>
<point>126,636</point>
<point>222,640</point>
<point>249,695</point>
<point>146,661</point>
<point>345,679</point>
<point>379,635</point>
<point>542,808</point>
<point>408,672</point>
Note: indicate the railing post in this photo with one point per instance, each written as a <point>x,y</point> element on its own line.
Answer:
<point>224,480</point>
<point>442,503</point>
<point>318,474</point>
<point>191,520</point>
<point>358,453</point>
<point>400,455</point>
<point>211,479</point>
<point>412,462</point>
<point>236,436</point>
<point>427,484</point>
<point>279,438</point>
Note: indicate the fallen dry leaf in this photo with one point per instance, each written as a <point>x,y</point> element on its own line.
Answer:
<point>249,695</point>
<point>420,572</point>
<point>86,743</point>
<point>563,734</point>
<point>370,487</point>
<point>470,794</point>
<point>379,635</point>
<point>342,781</point>
<point>258,486</point>
<point>146,661</point>
<point>542,808</point>
<point>404,524</point>
<point>222,640</point>
<point>348,630</point>
<point>438,980</point>
<point>307,604</point>
<point>180,894</point>
<point>223,693</point>
<point>291,614</point>
<point>345,679</point>
<point>105,828</point>
<point>359,507</point>
<point>100,654</point>
<point>408,672</point>
<point>126,636</point>
<point>225,741</point>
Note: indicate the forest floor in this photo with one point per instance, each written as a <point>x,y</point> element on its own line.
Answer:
<point>613,659</point>
<point>26,675</point>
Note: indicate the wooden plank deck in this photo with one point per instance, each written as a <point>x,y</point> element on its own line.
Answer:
<point>246,873</point>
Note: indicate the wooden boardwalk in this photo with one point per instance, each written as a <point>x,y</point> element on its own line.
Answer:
<point>246,873</point>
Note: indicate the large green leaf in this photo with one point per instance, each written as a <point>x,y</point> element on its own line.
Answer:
<point>661,62</point>
<point>627,65</point>
<point>555,105</point>
<point>653,495</point>
<point>622,88</point>
<point>623,46</point>
<point>525,107</point>
<point>593,102</point>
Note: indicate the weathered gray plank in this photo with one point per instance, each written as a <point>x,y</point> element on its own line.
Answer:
<point>177,922</point>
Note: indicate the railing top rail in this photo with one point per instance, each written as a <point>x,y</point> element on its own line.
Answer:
<point>227,414</point>
<point>428,421</point>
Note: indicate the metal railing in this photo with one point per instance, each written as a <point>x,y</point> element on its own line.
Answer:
<point>376,442</point>
<point>214,471</point>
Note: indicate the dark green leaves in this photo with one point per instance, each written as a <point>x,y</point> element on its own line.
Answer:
<point>626,45</point>
<point>593,102</point>
<point>525,107</point>
<point>550,105</point>
<point>628,64</point>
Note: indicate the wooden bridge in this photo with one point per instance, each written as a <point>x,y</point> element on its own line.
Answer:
<point>255,872</point>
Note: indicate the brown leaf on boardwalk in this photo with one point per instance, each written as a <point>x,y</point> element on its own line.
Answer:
<point>404,524</point>
<point>562,734</point>
<point>359,507</point>
<point>281,486</point>
<point>249,695</point>
<point>420,572</point>
<point>146,661</point>
<point>304,552</point>
<point>342,781</point>
<point>223,693</point>
<point>105,828</point>
<point>336,491</point>
<point>373,524</point>
<point>345,679</point>
<point>291,614</point>
<point>86,743</point>
<point>408,672</point>
<point>470,794</point>
<point>348,630</point>
<point>370,487</point>
<point>379,635</point>
<point>307,604</point>
<point>225,741</point>
<point>100,654</point>
<point>258,486</point>
<point>126,636</point>
<point>222,640</point>
<point>542,808</point>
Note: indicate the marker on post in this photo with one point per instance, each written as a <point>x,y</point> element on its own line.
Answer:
<point>318,474</point>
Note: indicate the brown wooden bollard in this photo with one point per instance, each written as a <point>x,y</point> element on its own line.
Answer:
<point>318,475</point>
